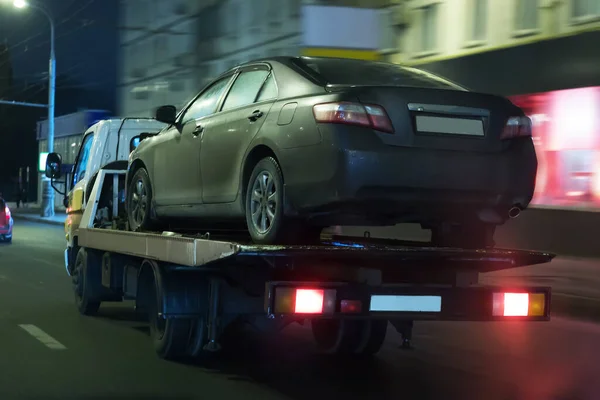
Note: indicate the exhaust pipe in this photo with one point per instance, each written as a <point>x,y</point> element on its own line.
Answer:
<point>514,212</point>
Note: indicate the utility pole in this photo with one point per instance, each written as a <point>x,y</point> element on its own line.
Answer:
<point>47,190</point>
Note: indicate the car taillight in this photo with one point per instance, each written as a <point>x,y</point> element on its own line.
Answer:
<point>516,127</point>
<point>367,115</point>
<point>304,301</point>
<point>7,215</point>
<point>519,304</point>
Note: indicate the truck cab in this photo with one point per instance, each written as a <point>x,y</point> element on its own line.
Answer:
<point>106,142</point>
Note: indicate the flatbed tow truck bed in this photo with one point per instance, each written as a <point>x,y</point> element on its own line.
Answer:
<point>194,288</point>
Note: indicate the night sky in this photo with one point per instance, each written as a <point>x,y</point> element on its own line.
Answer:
<point>87,43</point>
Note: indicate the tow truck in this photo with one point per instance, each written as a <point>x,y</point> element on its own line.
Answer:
<point>195,287</point>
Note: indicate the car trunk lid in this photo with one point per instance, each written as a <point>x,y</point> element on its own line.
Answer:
<point>439,118</point>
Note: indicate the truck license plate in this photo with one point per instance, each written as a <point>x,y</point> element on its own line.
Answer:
<point>406,303</point>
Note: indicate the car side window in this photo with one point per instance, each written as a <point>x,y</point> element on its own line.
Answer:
<point>82,159</point>
<point>206,103</point>
<point>245,89</point>
<point>268,90</point>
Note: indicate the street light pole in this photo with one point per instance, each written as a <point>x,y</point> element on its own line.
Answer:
<point>47,190</point>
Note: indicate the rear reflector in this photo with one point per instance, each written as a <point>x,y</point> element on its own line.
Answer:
<point>304,301</point>
<point>367,115</point>
<point>516,127</point>
<point>350,306</point>
<point>519,304</point>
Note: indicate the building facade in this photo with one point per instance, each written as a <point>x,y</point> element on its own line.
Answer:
<point>171,48</point>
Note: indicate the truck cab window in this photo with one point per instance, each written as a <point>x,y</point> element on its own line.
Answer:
<point>82,159</point>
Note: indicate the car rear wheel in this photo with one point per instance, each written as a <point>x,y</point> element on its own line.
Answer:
<point>264,202</point>
<point>139,202</point>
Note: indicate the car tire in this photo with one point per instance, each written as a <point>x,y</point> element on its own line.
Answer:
<point>139,202</point>
<point>264,203</point>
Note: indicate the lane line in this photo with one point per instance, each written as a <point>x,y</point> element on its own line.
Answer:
<point>43,337</point>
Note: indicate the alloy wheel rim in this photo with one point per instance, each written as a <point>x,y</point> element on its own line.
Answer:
<point>263,202</point>
<point>139,202</point>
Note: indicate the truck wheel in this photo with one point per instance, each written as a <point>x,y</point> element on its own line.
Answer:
<point>139,202</point>
<point>345,337</point>
<point>86,276</point>
<point>170,336</point>
<point>197,338</point>
<point>372,337</point>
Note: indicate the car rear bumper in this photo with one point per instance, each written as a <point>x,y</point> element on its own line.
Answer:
<point>389,184</point>
<point>5,234</point>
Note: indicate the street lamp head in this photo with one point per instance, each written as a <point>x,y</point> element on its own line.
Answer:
<point>20,3</point>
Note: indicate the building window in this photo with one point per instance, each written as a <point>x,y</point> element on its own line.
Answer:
<point>583,9</point>
<point>160,48</point>
<point>429,28</point>
<point>273,7</point>
<point>526,17</point>
<point>295,8</point>
<point>479,25</point>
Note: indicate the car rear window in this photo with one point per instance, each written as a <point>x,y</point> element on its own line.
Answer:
<point>357,72</point>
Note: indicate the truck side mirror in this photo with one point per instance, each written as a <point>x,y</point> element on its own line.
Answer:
<point>53,165</point>
<point>166,114</point>
<point>134,143</point>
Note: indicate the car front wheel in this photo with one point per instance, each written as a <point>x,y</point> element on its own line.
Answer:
<point>139,201</point>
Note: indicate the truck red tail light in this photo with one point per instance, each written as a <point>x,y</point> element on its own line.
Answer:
<point>304,301</point>
<point>367,115</point>
<point>516,127</point>
<point>519,304</point>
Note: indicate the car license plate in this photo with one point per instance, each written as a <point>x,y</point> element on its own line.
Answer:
<point>406,303</point>
<point>453,126</point>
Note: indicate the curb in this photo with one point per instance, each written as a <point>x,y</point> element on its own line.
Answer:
<point>36,218</point>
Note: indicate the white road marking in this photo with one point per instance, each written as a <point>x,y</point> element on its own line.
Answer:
<point>43,337</point>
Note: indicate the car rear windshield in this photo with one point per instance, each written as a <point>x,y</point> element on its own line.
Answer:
<point>357,72</point>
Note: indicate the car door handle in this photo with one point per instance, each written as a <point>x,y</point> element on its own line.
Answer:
<point>255,115</point>
<point>199,129</point>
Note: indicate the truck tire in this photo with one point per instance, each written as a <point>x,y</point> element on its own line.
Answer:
<point>372,337</point>
<point>346,337</point>
<point>197,339</point>
<point>86,277</point>
<point>170,336</point>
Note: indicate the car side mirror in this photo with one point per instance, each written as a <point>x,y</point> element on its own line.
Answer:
<point>166,114</point>
<point>53,165</point>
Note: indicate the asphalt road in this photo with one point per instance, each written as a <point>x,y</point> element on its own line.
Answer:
<point>49,351</point>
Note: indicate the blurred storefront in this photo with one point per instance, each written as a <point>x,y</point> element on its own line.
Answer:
<point>566,129</point>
